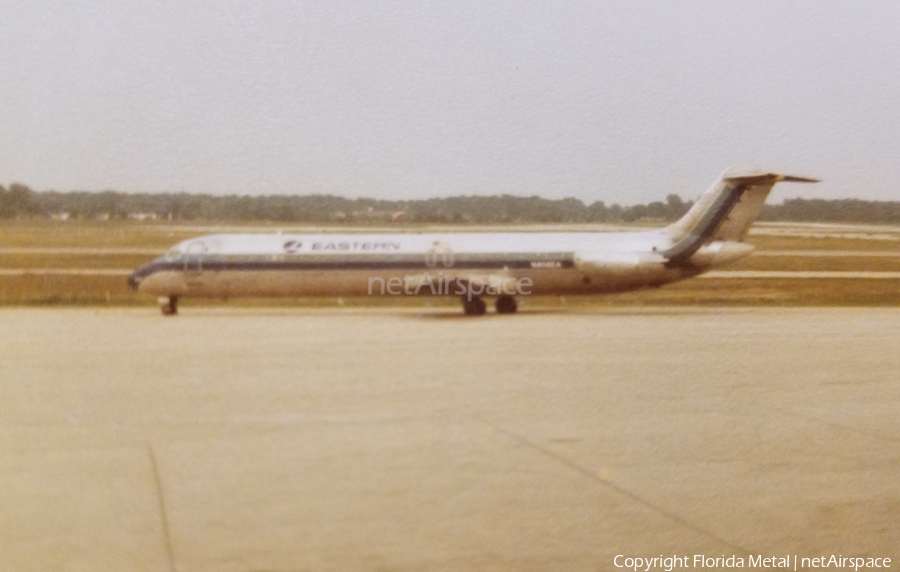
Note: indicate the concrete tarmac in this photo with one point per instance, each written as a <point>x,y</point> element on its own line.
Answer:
<point>282,439</point>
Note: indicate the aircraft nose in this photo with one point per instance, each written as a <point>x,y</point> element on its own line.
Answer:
<point>134,281</point>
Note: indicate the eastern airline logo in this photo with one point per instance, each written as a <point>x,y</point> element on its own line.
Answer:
<point>292,246</point>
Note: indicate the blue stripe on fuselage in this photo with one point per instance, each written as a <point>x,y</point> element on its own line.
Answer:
<point>706,226</point>
<point>216,263</point>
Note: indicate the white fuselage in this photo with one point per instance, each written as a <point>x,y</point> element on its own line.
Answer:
<point>469,265</point>
<point>237,265</point>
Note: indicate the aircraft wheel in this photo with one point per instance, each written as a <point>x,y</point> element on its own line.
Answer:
<point>169,306</point>
<point>506,305</point>
<point>474,307</point>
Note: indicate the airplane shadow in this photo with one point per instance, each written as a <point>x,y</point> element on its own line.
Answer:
<point>525,312</point>
<point>452,314</point>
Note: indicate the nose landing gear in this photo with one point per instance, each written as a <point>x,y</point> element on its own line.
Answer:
<point>169,305</point>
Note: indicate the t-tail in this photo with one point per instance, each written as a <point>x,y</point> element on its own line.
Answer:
<point>723,214</point>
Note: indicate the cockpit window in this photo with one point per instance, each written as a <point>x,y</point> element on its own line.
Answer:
<point>173,254</point>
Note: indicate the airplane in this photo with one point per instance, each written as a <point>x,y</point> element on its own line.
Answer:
<point>472,266</point>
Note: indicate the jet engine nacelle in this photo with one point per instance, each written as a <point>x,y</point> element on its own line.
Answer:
<point>622,268</point>
<point>719,253</point>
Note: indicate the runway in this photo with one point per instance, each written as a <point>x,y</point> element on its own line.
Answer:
<point>273,439</point>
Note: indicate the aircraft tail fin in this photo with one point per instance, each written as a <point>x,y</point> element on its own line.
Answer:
<point>725,212</point>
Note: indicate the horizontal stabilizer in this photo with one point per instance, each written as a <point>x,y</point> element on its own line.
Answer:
<point>764,177</point>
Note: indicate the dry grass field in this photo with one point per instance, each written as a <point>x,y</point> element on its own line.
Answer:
<point>40,260</point>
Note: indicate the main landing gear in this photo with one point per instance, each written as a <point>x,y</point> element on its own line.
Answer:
<point>477,307</point>
<point>168,305</point>
<point>506,305</point>
<point>474,307</point>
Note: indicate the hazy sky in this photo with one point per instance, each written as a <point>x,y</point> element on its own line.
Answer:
<point>617,101</point>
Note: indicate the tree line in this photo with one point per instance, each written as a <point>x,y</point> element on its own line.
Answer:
<point>19,201</point>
